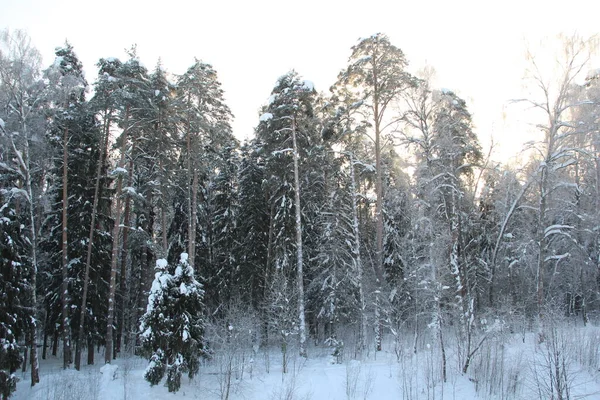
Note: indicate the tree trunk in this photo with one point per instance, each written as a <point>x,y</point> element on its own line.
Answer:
<point>378,211</point>
<point>54,343</point>
<point>65,258</point>
<point>123,281</point>
<point>88,257</point>
<point>267,276</point>
<point>90,351</point>
<point>108,354</point>
<point>193,219</point>
<point>25,358</point>
<point>299,255</point>
<point>25,167</point>
<point>45,344</point>
<point>357,260</point>
<point>163,213</point>
<point>541,241</point>
<point>442,349</point>
<point>192,198</point>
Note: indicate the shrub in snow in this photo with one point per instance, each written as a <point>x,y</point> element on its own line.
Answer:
<point>174,372</point>
<point>8,384</point>
<point>172,328</point>
<point>156,368</point>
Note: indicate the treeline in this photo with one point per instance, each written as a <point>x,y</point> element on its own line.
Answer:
<point>132,217</point>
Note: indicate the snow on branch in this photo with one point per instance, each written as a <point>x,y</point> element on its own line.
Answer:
<point>556,230</point>
<point>557,257</point>
<point>266,117</point>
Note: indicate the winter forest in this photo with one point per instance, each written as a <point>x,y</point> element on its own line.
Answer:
<point>362,233</point>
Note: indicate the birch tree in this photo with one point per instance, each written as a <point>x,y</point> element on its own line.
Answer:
<point>552,99</point>
<point>22,132</point>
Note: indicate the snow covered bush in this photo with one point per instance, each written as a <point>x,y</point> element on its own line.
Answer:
<point>172,329</point>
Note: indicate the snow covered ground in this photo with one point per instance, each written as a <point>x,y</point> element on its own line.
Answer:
<point>508,366</point>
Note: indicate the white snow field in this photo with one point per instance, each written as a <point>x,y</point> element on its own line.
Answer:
<point>509,365</point>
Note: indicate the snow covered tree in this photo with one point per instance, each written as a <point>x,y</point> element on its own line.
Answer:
<point>73,133</point>
<point>446,154</point>
<point>376,77</point>
<point>132,99</point>
<point>22,154</point>
<point>204,126</point>
<point>344,127</point>
<point>288,135</point>
<point>172,328</point>
<point>333,291</point>
<point>13,285</point>
<point>587,197</point>
<point>149,189</point>
<point>555,103</point>
<point>253,228</point>
<point>221,229</point>
<point>161,157</point>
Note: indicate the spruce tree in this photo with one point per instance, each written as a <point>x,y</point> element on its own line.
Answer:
<point>253,228</point>
<point>289,140</point>
<point>172,328</point>
<point>14,316</point>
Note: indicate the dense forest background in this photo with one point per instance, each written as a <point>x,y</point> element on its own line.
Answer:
<point>133,220</point>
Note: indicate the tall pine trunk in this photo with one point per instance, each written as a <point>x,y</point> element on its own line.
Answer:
<point>378,222</point>
<point>112,288</point>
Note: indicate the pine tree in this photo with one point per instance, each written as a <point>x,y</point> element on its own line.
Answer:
<point>377,74</point>
<point>204,126</point>
<point>73,132</point>
<point>173,326</point>
<point>132,99</point>
<point>149,192</point>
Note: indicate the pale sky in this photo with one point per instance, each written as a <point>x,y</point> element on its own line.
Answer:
<point>476,47</point>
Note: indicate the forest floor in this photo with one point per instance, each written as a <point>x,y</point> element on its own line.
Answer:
<point>508,366</point>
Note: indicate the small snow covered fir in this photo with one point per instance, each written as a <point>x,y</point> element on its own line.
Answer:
<point>172,328</point>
